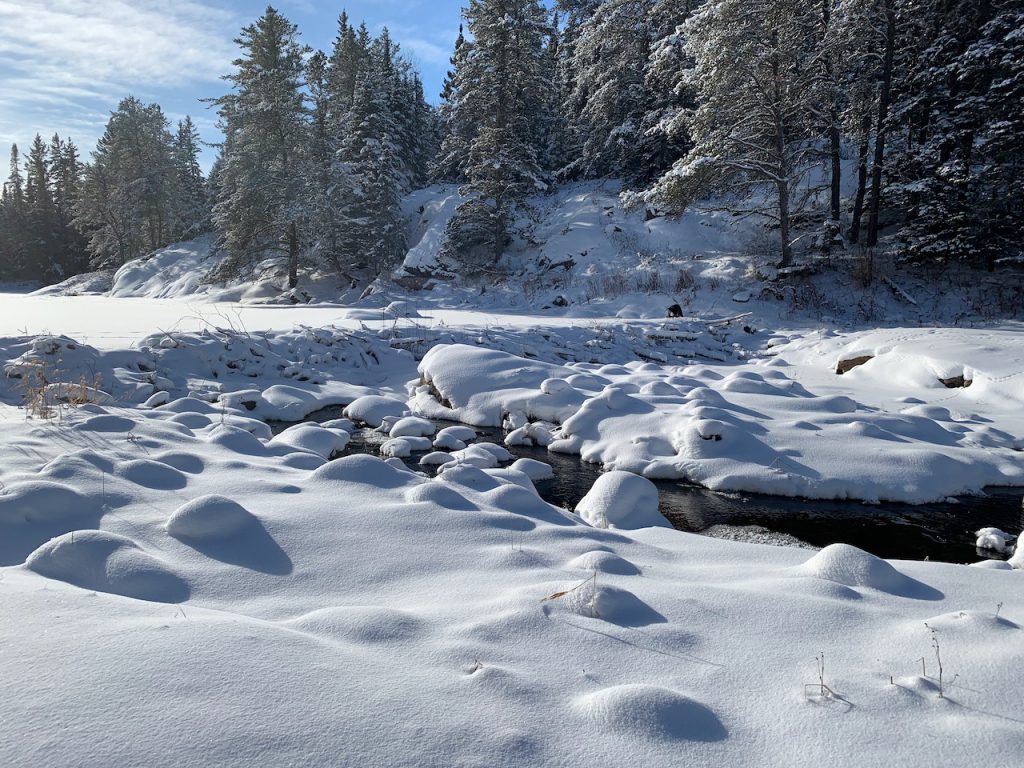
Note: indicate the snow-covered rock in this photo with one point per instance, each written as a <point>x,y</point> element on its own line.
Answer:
<point>622,500</point>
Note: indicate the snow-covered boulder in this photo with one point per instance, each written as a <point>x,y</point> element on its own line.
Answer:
<point>374,409</point>
<point>622,500</point>
<point>993,539</point>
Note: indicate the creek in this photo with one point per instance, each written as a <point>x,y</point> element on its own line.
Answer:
<point>940,531</point>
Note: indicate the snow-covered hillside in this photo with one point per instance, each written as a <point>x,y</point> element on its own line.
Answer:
<point>585,256</point>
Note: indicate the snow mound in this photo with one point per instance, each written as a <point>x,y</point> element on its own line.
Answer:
<point>152,474</point>
<point>39,501</point>
<point>533,469</point>
<point>993,539</point>
<point>106,562</point>
<point>478,386</point>
<point>237,440</point>
<point>209,517</point>
<point>604,562</point>
<point>364,469</point>
<point>106,423</point>
<point>374,409</point>
<point>651,712</point>
<point>413,426</point>
<point>313,438</point>
<point>177,270</point>
<point>440,495</point>
<point>474,456</point>
<point>404,447</point>
<point>183,462</point>
<point>454,438</point>
<point>1017,561</point>
<point>435,459</point>
<point>853,567</point>
<point>362,625</point>
<point>622,500</point>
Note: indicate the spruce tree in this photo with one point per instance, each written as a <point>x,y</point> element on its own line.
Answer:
<point>754,126</point>
<point>44,248</point>
<point>501,87</point>
<point>126,198</point>
<point>191,199</point>
<point>259,210</point>
<point>609,58</point>
<point>457,127</point>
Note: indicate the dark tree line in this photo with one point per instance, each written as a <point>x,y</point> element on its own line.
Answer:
<point>318,151</point>
<point>142,190</point>
<point>757,106</point>
<point>753,104</point>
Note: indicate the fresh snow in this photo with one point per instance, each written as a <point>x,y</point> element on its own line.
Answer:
<point>188,581</point>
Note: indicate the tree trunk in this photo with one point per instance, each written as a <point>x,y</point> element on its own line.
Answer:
<point>787,248</point>
<point>293,255</point>
<point>862,179</point>
<point>880,133</point>
<point>834,137</point>
<point>837,165</point>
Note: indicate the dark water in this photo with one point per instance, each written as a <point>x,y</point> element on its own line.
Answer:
<point>901,531</point>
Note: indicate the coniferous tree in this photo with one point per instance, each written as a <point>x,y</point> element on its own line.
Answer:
<point>191,201</point>
<point>44,247</point>
<point>501,86</point>
<point>609,88</point>
<point>956,106</point>
<point>374,239</point>
<point>14,187</point>
<point>65,177</point>
<point>259,210</point>
<point>127,195</point>
<point>12,222</point>
<point>753,128</point>
<point>457,127</point>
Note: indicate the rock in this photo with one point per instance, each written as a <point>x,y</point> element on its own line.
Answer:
<point>843,366</point>
<point>956,382</point>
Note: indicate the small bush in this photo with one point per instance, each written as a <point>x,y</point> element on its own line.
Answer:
<point>649,281</point>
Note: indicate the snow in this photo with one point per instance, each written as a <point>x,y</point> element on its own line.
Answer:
<point>621,500</point>
<point>994,539</point>
<point>250,601</point>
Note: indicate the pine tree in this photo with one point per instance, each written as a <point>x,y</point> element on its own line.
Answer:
<point>374,238</point>
<point>14,187</point>
<point>259,210</point>
<point>671,97</point>
<point>501,86</point>
<point>66,177</point>
<point>126,198</point>
<point>754,125</point>
<point>457,127</point>
<point>192,209</point>
<point>44,249</point>
<point>552,129</point>
<point>958,103</point>
<point>609,55</point>
<point>12,222</point>
<point>192,203</point>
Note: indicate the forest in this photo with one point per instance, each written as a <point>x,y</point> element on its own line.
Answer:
<point>842,125</point>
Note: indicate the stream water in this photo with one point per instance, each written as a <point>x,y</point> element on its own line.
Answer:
<point>941,531</point>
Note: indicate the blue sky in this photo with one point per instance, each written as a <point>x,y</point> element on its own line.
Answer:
<point>64,64</point>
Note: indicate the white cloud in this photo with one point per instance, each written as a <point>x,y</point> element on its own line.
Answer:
<point>65,63</point>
